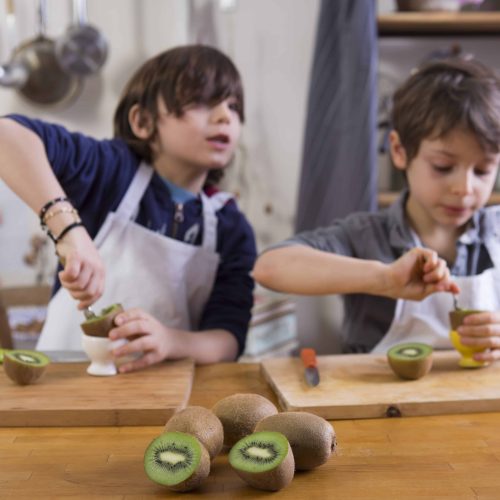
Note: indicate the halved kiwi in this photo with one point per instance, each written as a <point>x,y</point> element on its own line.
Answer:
<point>177,460</point>
<point>264,460</point>
<point>103,322</point>
<point>311,437</point>
<point>199,422</point>
<point>457,317</point>
<point>411,360</point>
<point>2,352</point>
<point>240,413</point>
<point>23,366</point>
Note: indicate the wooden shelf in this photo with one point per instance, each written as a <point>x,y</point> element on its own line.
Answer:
<point>439,23</point>
<point>387,198</point>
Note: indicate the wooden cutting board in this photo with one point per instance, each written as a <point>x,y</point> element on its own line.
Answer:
<point>364,386</point>
<point>68,396</point>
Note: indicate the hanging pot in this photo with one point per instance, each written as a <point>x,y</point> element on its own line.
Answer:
<point>47,82</point>
<point>83,49</point>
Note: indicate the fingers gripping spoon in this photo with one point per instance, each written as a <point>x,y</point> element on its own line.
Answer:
<point>88,312</point>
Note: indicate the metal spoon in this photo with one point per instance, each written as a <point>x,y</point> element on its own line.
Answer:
<point>89,313</point>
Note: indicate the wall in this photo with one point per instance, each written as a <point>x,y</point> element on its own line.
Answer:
<point>271,41</point>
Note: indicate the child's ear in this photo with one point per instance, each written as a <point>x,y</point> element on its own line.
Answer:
<point>398,152</point>
<point>140,122</point>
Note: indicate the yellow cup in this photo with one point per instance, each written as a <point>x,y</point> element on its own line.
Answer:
<point>466,352</point>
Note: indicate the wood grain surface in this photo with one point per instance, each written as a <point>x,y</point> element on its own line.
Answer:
<point>364,386</point>
<point>67,396</point>
<point>451,457</point>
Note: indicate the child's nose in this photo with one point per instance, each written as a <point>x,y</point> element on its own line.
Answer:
<point>463,183</point>
<point>221,112</point>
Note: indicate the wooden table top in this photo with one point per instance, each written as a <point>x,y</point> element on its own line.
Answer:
<point>457,457</point>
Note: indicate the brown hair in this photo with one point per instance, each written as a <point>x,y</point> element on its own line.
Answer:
<point>190,74</point>
<point>444,95</point>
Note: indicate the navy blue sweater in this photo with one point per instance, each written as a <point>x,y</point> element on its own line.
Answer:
<point>95,174</point>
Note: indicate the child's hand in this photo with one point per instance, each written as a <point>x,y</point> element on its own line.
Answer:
<point>482,330</point>
<point>83,273</point>
<point>147,336</point>
<point>417,274</point>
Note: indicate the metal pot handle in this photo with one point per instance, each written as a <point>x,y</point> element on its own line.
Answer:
<point>12,74</point>
<point>80,15</point>
<point>42,18</point>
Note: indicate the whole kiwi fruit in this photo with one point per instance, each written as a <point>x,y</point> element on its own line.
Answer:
<point>239,414</point>
<point>102,323</point>
<point>199,422</point>
<point>263,460</point>
<point>177,460</point>
<point>24,366</point>
<point>312,438</point>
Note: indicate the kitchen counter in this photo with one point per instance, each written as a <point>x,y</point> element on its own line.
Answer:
<point>455,456</point>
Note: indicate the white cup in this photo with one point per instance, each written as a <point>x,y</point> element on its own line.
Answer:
<point>99,350</point>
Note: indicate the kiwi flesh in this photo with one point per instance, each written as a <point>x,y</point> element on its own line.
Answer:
<point>202,423</point>
<point>411,360</point>
<point>240,413</point>
<point>311,437</point>
<point>24,366</point>
<point>102,323</point>
<point>263,460</point>
<point>177,460</point>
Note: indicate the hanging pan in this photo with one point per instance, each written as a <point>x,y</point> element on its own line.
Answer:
<point>47,82</point>
<point>82,50</point>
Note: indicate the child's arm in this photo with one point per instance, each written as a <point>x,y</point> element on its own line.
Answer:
<point>26,170</point>
<point>300,269</point>
<point>482,330</point>
<point>157,342</point>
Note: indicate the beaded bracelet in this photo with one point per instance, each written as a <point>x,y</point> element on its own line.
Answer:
<point>64,232</point>
<point>49,204</point>
<point>64,210</point>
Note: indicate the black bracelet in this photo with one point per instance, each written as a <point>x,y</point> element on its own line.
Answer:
<point>49,204</point>
<point>64,232</point>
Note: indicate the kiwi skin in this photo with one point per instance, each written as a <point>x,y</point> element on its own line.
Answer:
<point>2,352</point>
<point>23,373</point>
<point>311,438</point>
<point>240,413</point>
<point>411,369</point>
<point>201,423</point>
<point>198,476</point>
<point>272,480</point>
<point>102,324</point>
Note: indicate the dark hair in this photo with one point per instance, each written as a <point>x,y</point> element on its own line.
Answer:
<point>444,95</point>
<point>190,74</point>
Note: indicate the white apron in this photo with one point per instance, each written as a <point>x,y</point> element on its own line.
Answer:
<point>427,321</point>
<point>169,279</point>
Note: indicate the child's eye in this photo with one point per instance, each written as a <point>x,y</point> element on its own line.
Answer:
<point>482,172</point>
<point>442,169</point>
<point>234,106</point>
